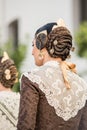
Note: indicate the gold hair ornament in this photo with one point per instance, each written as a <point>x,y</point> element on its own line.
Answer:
<point>60,23</point>
<point>5,57</point>
<point>7,74</point>
<point>73,48</point>
<point>55,42</point>
<point>41,56</point>
<point>51,51</point>
<point>16,80</point>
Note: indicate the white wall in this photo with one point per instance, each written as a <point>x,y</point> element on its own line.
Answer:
<point>34,13</point>
<point>2,21</point>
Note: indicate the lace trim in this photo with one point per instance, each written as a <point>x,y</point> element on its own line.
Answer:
<point>66,103</point>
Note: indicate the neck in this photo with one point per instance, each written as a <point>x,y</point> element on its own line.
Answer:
<point>2,88</point>
<point>48,58</point>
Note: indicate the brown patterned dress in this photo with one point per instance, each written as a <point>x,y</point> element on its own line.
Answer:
<point>46,104</point>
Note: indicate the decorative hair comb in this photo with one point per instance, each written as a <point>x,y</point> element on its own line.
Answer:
<point>5,57</point>
<point>44,32</point>
<point>60,23</point>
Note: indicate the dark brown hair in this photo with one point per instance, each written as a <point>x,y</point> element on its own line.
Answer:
<point>58,41</point>
<point>8,65</point>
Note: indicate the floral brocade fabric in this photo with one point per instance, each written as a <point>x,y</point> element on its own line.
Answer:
<point>66,102</point>
<point>49,105</point>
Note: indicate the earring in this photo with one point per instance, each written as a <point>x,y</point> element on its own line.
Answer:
<point>40,56</point>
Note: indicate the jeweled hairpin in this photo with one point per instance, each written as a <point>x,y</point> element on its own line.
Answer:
<point>55,42</point>
<point>51,51</point>
<point>7,74</point>
<point>5,57</point>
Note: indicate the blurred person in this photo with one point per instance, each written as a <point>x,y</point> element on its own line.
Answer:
<point>9,100</point>
<point>53,96</point>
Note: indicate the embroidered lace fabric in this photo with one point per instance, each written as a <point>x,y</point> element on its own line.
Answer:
<point>66,102</point>
<point>9,108</point>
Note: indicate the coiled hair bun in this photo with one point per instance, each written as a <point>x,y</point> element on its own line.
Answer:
<point>59,43</point>
<point>56,38</point>
<point>8,72</point>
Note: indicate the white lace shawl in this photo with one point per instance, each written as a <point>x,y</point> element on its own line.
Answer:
<point>9,108</point>
<point>66,102</point>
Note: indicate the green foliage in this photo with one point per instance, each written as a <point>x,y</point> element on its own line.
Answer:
<point>81,39</point>
<point>18,54</point>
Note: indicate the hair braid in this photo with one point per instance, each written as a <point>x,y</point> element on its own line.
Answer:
<point>59,43</point>
<point>8,65</point>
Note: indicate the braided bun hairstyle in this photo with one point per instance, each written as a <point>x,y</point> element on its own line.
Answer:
<point>57,41</point>
<point>8,73</point>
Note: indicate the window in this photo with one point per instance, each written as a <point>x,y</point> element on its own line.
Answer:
<point>83,6</point>
<point>13,33</point>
